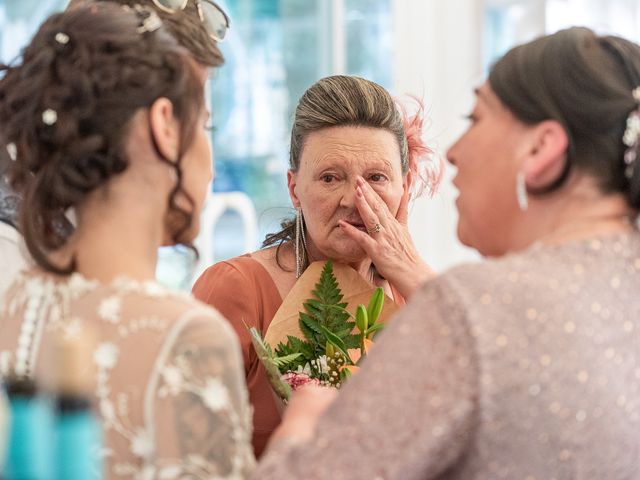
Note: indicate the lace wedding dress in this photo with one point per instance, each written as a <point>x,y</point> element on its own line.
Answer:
<point>169,382</point>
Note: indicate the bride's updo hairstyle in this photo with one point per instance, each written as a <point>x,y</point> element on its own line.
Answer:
<point>66,107</point>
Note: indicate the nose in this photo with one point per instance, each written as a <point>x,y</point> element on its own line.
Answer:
<point>452,154</point>
<point>348,194</point>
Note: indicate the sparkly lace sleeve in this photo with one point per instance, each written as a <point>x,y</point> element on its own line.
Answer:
<point>202,398</point>
<point>408,414</point>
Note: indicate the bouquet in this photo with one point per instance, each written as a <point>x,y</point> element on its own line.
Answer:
<point>331,342</point>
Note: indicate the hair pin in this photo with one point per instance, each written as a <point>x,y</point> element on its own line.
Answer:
<point>631,137</point>
<point>633,129</point>
<point>149,19</point>
<point>12,151</point>
<point>62,38</point>
<point>49,117</point>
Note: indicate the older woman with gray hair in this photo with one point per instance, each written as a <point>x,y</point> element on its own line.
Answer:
<point>356,160</point>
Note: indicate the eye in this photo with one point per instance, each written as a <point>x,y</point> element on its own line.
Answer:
<point>327,177</point>
<point>377,177</point>
<point>471,117</point>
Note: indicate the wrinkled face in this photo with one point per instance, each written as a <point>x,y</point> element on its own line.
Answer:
<point>325,184</point>
<point>487,157</point>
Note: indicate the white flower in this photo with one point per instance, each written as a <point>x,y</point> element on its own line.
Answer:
<point>109,309</point>
<point>322,364</point>
<point>148,472</point>
<point>154,289</point>
<point>215,395</point>
<point>198,461</point>
<point>72,328</point>
<point>107,411</point>
<point>106,356</point>
<point>12,150</point>
<point>170,472</point>
<point>142,444</point>
<point>78,284</point>
<point>173,378</point>
<point>5,363</point>
<point>34,287</point>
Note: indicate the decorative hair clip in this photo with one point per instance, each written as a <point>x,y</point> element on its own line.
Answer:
<point>49,117</point>
<point>427,167</point>
<point>149,19</point>
<point>12,150</point>
<point>631,137</point>
<point>62,38</point>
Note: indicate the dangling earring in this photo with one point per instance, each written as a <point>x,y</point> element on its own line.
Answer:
<point>300,243</point>
<point>521,192</point>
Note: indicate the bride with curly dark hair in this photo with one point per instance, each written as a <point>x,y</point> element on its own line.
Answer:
<point>105,113</point>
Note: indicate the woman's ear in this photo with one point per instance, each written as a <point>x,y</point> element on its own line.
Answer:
<point>547,155</point>
<point>407,182</point>
<point>165,129</point>
<point>292,179</point>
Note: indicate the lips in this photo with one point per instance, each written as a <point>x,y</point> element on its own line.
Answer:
<point>358,225</point>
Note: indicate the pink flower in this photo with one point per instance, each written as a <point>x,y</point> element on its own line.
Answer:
<point>297,380</point>
<point>427,167</point>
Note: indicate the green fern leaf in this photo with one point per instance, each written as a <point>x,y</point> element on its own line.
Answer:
<point>285,361</point>
<point>327,290</point>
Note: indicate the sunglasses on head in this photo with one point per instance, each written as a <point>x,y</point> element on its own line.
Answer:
<point>214,19</point>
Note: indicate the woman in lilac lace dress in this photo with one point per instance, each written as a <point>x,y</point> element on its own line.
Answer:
<point>526,365</point>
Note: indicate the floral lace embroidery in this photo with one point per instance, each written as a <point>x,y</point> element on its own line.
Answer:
<point>47,302</point>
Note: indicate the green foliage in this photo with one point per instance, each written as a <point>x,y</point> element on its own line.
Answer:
<point>325,320</point>
<point>294,346</point>
<point>328,332</point>
<point>271,364</point>
<point>286,360</point>
<point>375,306</point>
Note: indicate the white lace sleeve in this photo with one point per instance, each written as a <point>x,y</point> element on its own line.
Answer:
<point>200,399</point>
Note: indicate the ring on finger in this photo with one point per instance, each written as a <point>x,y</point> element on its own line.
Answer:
<point>375,229</point>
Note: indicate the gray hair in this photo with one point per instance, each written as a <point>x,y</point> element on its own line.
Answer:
<point>341,101</point>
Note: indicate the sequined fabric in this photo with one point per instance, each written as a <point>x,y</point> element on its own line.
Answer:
<point>526,367</point>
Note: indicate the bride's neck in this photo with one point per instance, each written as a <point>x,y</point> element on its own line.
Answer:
<point>111,242</point>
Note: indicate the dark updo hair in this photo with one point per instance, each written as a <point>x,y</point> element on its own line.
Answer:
<point>183,25</point>
<point>336,101</point>
<point>109,68</point>
<point>585,82</point>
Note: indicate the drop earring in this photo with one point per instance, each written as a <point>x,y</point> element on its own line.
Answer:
<point>300,244</point>
<point>521,192</point>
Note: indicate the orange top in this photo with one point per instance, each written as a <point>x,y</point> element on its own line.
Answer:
<point>242,290</point>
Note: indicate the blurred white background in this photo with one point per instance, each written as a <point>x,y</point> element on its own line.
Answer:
<point>435,49</point>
